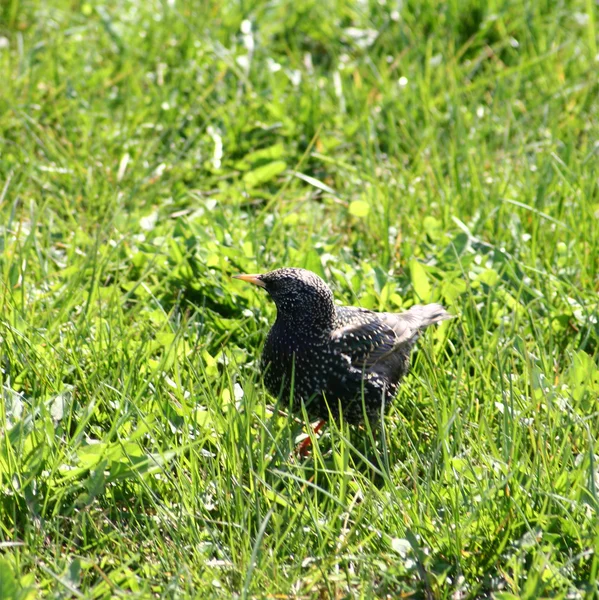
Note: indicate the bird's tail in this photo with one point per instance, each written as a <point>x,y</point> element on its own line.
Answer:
<point>421,316</point>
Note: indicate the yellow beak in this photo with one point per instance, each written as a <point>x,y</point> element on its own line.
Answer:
<point>251,279</point>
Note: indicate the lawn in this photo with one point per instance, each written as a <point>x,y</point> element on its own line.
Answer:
<point>405,151</point>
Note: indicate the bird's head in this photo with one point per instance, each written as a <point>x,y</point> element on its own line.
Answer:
<point>300,295</point>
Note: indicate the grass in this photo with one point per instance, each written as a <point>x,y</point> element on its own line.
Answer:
<point>427,151</point>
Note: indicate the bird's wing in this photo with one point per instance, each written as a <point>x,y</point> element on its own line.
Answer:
<point>368,337</point>
<point>362,336</point>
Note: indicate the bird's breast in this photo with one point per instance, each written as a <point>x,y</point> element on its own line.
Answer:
<point>288,357</point>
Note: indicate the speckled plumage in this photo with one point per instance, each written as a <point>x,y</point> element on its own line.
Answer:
<point>336,354</point>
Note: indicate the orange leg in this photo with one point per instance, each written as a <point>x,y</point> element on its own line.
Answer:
<point>304,445</point>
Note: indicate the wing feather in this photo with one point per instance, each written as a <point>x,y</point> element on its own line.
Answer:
<point>362,336</point>
<point>368,337</point>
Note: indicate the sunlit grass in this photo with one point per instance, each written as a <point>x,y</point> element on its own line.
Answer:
<point>441,152</point>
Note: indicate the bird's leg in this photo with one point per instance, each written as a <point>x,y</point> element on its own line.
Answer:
<point>304,445</point>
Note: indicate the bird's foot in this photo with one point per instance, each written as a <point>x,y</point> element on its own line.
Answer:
<point>303,448</point>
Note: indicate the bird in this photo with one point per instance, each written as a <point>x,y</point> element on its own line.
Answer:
<point>337,361</point>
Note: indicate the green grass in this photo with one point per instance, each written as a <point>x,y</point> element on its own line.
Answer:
<point>435,151</point>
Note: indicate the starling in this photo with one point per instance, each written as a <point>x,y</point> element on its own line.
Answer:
<point>335,358</point>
